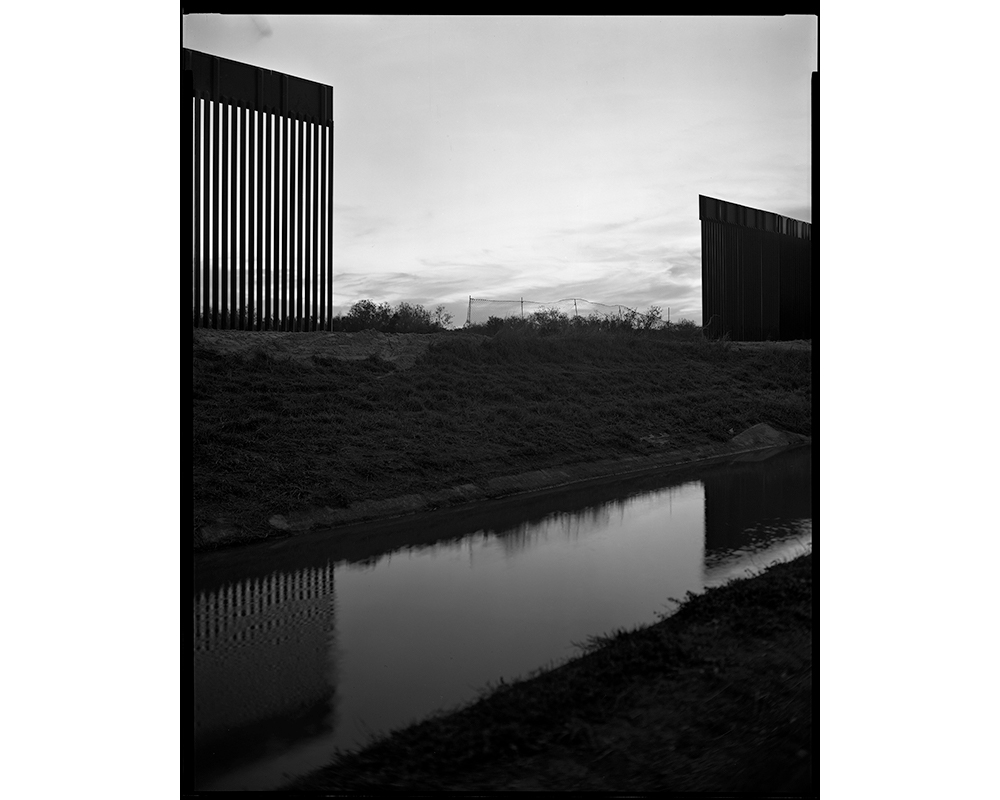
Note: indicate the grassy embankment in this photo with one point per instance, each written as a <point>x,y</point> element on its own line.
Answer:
<point>716,698</point>
<point>272,435</point>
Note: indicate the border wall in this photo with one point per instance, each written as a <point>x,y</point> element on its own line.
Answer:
<point>756,273</point>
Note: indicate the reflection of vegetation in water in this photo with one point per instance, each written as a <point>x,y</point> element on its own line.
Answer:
<point>572,525</point>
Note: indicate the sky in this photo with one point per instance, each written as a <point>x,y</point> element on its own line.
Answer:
<point>541,157</point>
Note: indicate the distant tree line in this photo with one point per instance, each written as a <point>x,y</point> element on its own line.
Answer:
<point>552,321</point>
<point>366,315</point>
<point>414,318</point>
<point>401,318</point>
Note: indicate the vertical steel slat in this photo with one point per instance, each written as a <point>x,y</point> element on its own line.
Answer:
<point>734,273</point>
<point>290,300</point>
<point>228,190</point>
<point>250,264</point>
<point>198,264</point>
<point>718,272</point>
<point>236,256</point>
<point>293,281</point>
<point>276,266</point>
<point>329,224</point>
<point>194,213</point>
<point>283,298</point>
<point>727,291</point>
<point>745,247</point>
<point>246,212</point>
<point>306,218</point>
<point>740,235</point>
<point>720,234</point>
<point>299,222</point>
<point>206,215</point>
<point>324,314</point>
<point>216,177</point>
<point>234,230</point>
<point>309,230</point>
<point>259,225</point>
<point>268,142</point>
<point>717,279</point>
<point>723,277</point>
<point>738,280</point>
<point>252,306</point>
<point>706,305</point>
<point>314,226</point>
<point>705,273</point>
<point>241,264</point>
<point>752,279</point>
<point>317,283</point>
<point>291,226</point>
<point>760,296</point>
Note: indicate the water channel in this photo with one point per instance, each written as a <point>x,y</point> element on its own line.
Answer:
<point>303,646</point>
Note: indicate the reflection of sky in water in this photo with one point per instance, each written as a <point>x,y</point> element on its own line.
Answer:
<point>459,616</point>
<point>426,628</point>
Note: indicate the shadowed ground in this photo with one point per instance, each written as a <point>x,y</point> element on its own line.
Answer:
<point>367,425</point>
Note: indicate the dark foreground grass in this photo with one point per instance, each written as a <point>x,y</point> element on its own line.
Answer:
<point>717,698</point>
<point>271,435</point>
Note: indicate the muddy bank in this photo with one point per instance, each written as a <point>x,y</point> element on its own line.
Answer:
<point>759,439</point>
<point>716,698</point>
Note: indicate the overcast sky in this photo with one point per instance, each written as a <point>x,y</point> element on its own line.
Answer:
<point>544,158</point>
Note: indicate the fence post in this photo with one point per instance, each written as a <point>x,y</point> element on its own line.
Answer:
<point>522,308</point>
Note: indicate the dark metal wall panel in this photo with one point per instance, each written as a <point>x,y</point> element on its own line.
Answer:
<point>269,221</point>
<point>284,305</point>
<point>225,230</point>
<point>316,321</point>
<point>262,186</point>
<point>243,261</point>
<point>259,89</point>
<point>750,269</point>
<point>196,228</point>
<point>328,194</point>
<point>259,221</point>
<point>324,310</point>
<point>796,288</point>
<point>770,288</point>
<point>756,273</point>
<point>300,279</point>
<point>216,175</point>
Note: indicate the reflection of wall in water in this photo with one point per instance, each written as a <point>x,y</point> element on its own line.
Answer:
<point>262,648</point>
<point>742,495</point>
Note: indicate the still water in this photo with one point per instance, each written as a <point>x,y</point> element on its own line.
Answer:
<point>302,647</point>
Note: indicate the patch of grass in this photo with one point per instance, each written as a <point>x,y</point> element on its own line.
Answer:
<point>273,434</point>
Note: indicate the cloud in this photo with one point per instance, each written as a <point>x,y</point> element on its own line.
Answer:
<point>357,222</point>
